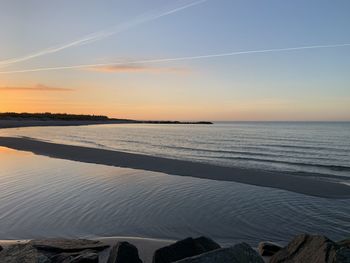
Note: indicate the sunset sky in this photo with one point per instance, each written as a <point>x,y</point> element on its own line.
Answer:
<point>155,70</point>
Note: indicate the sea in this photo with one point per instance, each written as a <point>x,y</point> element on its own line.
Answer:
<point>47,197</point>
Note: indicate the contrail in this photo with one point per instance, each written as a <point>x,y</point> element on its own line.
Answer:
<point>160,60</point>
<point>100,35</point>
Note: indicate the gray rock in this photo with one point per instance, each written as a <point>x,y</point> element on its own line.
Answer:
<point>240,253</point>
<point>312,249</point>
<point>52,252</point>
<point>184,248</point>
<point>268,248</point>
<point>22,253</point>
<point>67,245</point>
<point>124,252</point>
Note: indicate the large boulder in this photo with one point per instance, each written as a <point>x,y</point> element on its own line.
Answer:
<point>67,245</point>
<point>240,253</point>
<point>124,252</point>
<point>267,249</point>
<point>312,249</point>
<point>22,253</point>
<point>184,248</point>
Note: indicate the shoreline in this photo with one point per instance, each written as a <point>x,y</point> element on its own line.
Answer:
<point>7,124</point>
<point>293,183</point>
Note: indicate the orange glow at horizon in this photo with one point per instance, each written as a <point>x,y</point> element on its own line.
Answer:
<point>148,102</point>
<point>29,101</point>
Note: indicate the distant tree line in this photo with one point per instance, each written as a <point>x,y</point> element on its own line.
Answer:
<point>52,116</point>
<point>46,116</point>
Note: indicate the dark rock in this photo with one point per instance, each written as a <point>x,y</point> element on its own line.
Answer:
<point>206,244</point>
<point>344,243</point>
<point>67,245</point>
<point>184,248</point>
<point>124,252</point>
<point>240,253</point>
<point>85,256</point>
<point>312,249</point>
<point>343,255</point>
<point>268,248</point>
<point>88,257</point>
<point>1,248</point>
<point>22,253</point>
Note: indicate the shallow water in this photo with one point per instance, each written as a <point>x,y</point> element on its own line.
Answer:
<point>314,149</point>
<point>45,197</point>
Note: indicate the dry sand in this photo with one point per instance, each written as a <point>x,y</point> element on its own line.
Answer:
<point>299,184</point>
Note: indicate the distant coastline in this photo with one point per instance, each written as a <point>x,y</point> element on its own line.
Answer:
<point>16,120</point>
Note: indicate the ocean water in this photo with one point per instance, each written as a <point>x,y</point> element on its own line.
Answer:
<point>320,149</point>
<point>44,197</point>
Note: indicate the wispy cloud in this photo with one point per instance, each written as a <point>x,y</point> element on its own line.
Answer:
<point>100,35</point>
<point>138,69</point>
<point>173,59</point>
<point>38,87</point>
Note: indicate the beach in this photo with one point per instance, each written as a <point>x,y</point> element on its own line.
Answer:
<point>62,190</point>
<point>189,131</point>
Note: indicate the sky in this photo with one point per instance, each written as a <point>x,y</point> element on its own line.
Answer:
<point>177,59</point>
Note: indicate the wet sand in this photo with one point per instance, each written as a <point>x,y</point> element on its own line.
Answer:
<point>298,184</point>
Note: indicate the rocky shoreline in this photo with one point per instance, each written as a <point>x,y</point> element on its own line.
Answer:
<point>302,248</point>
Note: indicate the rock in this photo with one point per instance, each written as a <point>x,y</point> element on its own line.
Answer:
<point>344,243</point>
<point>240,253</point>
<point>22,253</point>
<point>312,249</point>
<point>88,257</point>
<point>67,245</point>
<point>343,255</point>
<point>206,244</point>
<point>53,251</point>
<point>1,248</point>
<point>124,252</point>
<point>184,248</point>
<point>85,256</point>
<point>268,248</point>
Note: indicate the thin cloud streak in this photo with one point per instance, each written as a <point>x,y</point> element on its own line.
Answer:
<point>161,60</point>
<point>136,69</point>
<point>100,35</point>
<point>38,87</point>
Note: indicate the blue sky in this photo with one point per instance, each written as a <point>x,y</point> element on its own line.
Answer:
<point>312,84</point>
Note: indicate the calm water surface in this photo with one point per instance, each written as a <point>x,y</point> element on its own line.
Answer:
<point>44,197</point>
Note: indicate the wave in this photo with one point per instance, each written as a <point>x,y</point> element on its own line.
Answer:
<point>330,167</point>
<point>277,154</point>
<point>307,147</point>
